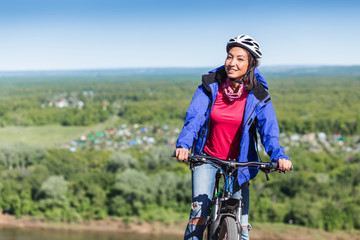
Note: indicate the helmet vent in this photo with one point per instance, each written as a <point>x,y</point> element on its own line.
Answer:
<point>248,43</point>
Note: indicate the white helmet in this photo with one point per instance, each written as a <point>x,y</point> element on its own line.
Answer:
<point>247,42</point>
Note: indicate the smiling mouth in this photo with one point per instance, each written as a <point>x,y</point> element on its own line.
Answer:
<point>231,70</point>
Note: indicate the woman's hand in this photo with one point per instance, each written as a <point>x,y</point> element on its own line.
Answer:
<point>284,164</point>
<point>182,154</point>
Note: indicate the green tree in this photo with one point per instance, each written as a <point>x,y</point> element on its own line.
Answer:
<point>122,161</point>
<point>54,187</point>
<point>158,157</point>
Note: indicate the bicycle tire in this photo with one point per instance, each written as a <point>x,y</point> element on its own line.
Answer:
<point>228,229</point>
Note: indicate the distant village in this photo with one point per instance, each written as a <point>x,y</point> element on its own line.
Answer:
<point>65,100</point>
<point>317,142</point>
<point>127,136</point>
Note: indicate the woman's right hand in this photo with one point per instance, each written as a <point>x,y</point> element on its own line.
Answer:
<point>182,154</point>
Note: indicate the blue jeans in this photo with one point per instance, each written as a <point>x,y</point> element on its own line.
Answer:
<point>203,181</point>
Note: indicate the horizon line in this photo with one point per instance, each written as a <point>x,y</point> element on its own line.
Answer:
<point>169,67</point>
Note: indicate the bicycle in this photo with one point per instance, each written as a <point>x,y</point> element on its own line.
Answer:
<point>224,221</point>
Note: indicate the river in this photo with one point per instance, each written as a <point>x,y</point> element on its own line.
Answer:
<point>40,234</point>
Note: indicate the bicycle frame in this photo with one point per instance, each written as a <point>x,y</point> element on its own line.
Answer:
<point>223,204</point>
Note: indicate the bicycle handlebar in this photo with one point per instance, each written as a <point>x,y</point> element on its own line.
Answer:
<point>230,163</point>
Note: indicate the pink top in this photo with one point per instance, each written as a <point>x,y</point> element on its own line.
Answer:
<point>226,127</point>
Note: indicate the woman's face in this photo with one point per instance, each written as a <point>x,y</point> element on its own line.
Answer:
<point>236,63</point>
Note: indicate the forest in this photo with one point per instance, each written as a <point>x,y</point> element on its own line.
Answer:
<point>55,184</point>
<point>303,103</point>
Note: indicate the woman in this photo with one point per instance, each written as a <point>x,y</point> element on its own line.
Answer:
<point>226,108</point>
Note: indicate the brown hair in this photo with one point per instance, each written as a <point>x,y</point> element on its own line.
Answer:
<point>250,81</point>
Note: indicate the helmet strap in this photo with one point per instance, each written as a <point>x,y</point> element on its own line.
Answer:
<point>237,81</point>
<point>243,79</point>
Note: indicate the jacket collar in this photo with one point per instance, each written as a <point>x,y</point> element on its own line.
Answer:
<point>219,75</point>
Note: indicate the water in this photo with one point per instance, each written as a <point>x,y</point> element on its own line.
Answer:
<point>40,234</point>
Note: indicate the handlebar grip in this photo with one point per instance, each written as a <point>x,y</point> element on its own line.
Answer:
<point>276,166</point>
<point>173,154</point>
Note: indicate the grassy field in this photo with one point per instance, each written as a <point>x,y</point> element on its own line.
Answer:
<point>40,135</point>
<point>49,135</point>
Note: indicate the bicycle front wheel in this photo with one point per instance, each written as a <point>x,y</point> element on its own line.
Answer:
<point>228,229</point>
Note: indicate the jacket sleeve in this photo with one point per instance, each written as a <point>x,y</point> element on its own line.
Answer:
<point>194,119</point>
<point>268,129</point>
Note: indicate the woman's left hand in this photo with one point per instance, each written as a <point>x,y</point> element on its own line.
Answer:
<point>284,164</point>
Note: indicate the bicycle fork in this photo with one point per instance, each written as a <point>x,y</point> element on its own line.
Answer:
<point>229,207</point>
<point>238,215</point>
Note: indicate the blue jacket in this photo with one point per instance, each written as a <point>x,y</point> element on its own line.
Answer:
<point>259,113</point>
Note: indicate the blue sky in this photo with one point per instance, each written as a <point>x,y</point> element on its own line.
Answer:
<point>103,34</point>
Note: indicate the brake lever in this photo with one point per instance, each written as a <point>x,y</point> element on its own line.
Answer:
<point>266,172</point>
<point>267,176</point>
